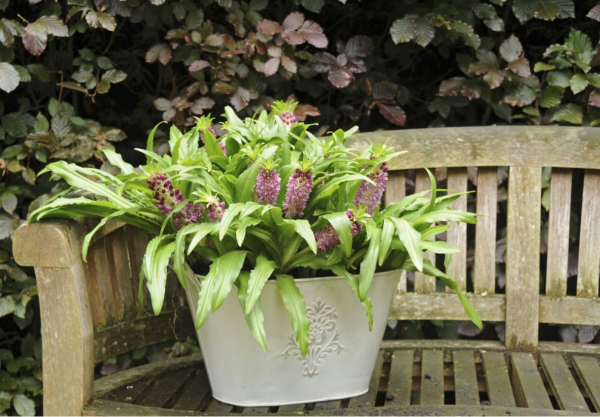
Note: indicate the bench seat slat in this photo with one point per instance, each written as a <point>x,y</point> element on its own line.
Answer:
<point>528,383</point>
<point>400,383</point>
<point>165,388</point>
<point>432,377</point>
<point>496,375</point>
<point>588,370</point>
<point>564,386</point>
<point>368,399</point>
<point>465,378</point>
<point>195,393</point>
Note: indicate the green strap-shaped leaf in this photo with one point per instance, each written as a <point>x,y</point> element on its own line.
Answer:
<point>244,186</point>
<point>368,265</point>
<point>446,215</point>
<point>439,247</point>
<point>117,160</point>
<point>211,144</point>
<point>433,189</point>
<point>387,234</point>
<point>202,230</point>
<point>296,307</point>
<point>343,228</point>
<point>255,318</point>
<point>353,282</point>
<point>156,260</point>
<point>228,217</point>
<point>205,296</point>
<point>259,275</point>
<point>227,270</point>
<point>240,233</point>
<point>411,239</point>
<point>302,227</point>
<point>88,238</point>
<point>433,231</point>
<point>150,142</point>
<point>431,270</point>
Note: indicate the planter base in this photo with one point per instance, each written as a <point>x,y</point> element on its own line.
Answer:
<point>341,354</point>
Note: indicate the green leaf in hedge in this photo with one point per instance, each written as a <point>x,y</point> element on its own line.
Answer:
<point>255,318</point>
<point>227,270</point>
<point>570,113</point>
<point>558,79</point>
<point>403,30</point>
<point>369,264</point>
<point>24,406</point>
<point>542,66</point>
<point>551,96</point>
<point>343,228</point>
<point>296,307</point>
<point>521,96</point>
<point>258,277</point>
<point>9,77</point>
<point>578,83</point>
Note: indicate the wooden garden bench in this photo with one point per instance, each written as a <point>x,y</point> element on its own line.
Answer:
<point>90,311</point>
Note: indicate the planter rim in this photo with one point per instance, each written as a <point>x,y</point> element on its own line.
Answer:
<point>331,277</point>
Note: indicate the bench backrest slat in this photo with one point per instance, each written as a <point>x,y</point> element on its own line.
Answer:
<point>589,238</point>
<point>484,267</point>
<point>457,234</point>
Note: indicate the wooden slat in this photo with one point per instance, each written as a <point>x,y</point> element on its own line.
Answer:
<point>424,284</point>
<point>465,378</point>
<point>328,405</point>
<point>496,376</point>
<point>588,370</point>
<point>218,407</point>
<point>368,400</point>
<point>441,306</point>
<point>589,238</point>
<point>484,270</point>
<point>400,382</point>
<point>558,232</point>
<point>255,410</point>
<point>563,385</point>
<point>523,258</point>
<point>137,241</point>
<point>457,234</point>
<point>128,394</point>
<point>527,382</point>
<point>99,286</point>
<point>120,273</point>
<point>396,187</point>
<point>292,409</point>
<point>539,146</point>
<point>570,310</point>
<point>195,393</point>
<point>432,378</point>
<point>141,332</point>
<point>165,388</point>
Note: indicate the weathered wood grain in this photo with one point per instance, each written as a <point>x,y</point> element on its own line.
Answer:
<point>120,274</point>
<point>195,393</point>
<point>465,378</point>
<point>496,377</point>
<point>523,258</point>
<point>424,284</point>
<point>218,407</point>
<point>137,241</point>
<point>529,146</point>
<point>99,286</point>
<point>164,389</point>
<point>396,187</point>
<point>558,232</point>
<point>68,339</point>
<point>368,400</point>
<point>441,306</point>
<point>563,385</point>
<point>588,370</point>
<point>432,378</point>
<point>328,405</point>
<point>570,310</point>
<point>484,269</point>
<point>589,237</point>
<point>529,387</point>
<point>457,234</point>
<point>400,382</point>
<point>129,335</point>
<point>292,409</point>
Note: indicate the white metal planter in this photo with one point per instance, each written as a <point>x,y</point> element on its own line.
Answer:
<point>340,358</point>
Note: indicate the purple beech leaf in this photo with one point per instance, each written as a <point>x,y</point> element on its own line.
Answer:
<point>511,49</point>
<point>339,76</point>
<point>451,87</point>
<point>271,66</point>
<point>198,65</point>
<point>520,67</point>
<point>293,22</point>
<point>385,91</point>
<point>269,27</point>
<point>289,64</point>
<point>358,47</point>
<point>323,61</point>
<point>594,13</point>
<point>240,98</point>
<point>313,33</point>
<point>393,114</point>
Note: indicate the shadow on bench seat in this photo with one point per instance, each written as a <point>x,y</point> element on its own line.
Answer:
<point>90,311</point>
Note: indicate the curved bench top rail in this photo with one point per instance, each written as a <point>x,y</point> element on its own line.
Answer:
<point>533,146</point>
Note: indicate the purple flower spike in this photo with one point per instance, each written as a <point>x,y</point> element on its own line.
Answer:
<point>267,187</point>
<point>168,198</point>
<point>327,238</point>
<point>216,209</point>
<point>298,190</point>
<point>369,195</point>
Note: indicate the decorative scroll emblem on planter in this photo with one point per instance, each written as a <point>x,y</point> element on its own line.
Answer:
<point>323,337</point>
